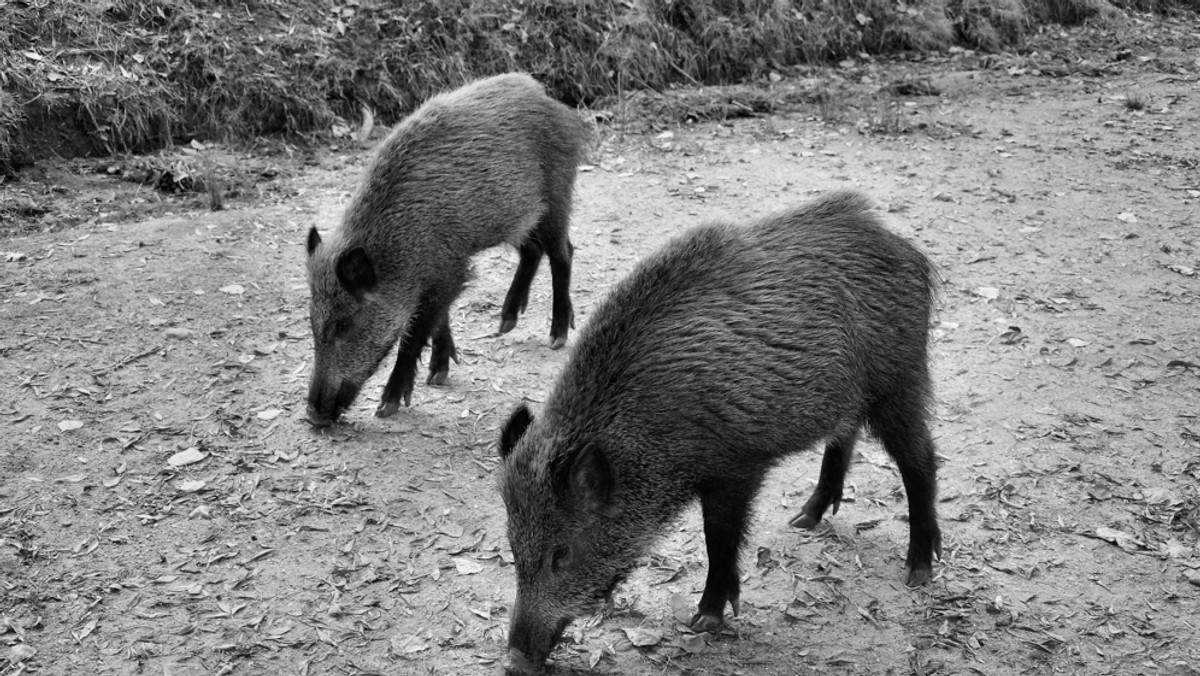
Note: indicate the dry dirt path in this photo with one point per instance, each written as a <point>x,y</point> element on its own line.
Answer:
<point>1067,363</point>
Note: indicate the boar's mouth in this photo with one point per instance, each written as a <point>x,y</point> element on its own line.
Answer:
<point>533,663</point>
<point>324,410</point>
<point>520,665</point>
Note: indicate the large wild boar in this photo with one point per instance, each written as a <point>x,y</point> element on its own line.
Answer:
<point>719,355</point>
<point>492,162</point>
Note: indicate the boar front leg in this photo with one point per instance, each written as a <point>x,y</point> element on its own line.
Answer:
<point>726,507</point>
<point>400,383</point>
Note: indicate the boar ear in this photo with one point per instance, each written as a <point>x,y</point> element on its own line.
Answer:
<point>591,479</point>
<point>355,271</point>
<point>314,238</point>
<point>514,429</point>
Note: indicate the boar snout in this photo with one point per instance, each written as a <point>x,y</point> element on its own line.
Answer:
<point>326,403</point>
<point>530,643</point>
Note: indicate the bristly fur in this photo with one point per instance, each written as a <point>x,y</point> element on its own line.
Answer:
<point>492,162</point>
<point>722,353</point>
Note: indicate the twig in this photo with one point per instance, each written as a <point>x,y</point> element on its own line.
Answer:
<point>128,360</point>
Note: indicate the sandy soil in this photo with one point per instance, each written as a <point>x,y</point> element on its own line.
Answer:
<point>164,510</point>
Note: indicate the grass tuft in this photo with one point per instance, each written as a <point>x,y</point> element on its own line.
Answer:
<point>81,78</point>
<point>1134,102</point>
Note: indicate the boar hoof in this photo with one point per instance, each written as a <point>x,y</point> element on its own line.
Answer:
<point>804,520</point>
<point>518,664</point>
<point>387,409</point>
<point>317,421</point>
<point>702,622</point>
<point>438,377</point>
<point>915,577</point>
<point>508,324</point>
<point>557,343</point>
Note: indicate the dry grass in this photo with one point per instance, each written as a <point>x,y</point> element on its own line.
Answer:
<point>78,77</point>
<point>989,25</point>
<point>1069,11</point>
<point>12,118</point>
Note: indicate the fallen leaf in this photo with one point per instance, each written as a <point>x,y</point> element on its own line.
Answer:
<point>233,289</point>
<point>681,608</point>
<point>1127,216</point>
<point>642,637</point>
<point>278,630</point>
<point>143,650</point>
<point>1112,534</point>
<point>1160,496</point>
<point>84,631</point>
<point>229,607</point>
<point>21,652</point>
<point>454,530</point>
<point>1077,342</point>
<point>406,645</point>
<point>70,425</point>
<point>1013,336</point>
<point>1119,538</point>
<point>269,414</point>
<point>1174,549</point>
<point>694,644</point>
<point>178,333</point>
<point>185,457</point>
<point>794,614</point>
<point>988,292</point>
<point>466,566</point>
<point>191,485</point>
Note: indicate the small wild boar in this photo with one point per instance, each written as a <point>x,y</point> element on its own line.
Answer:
<point>719,355</point>
<point>492,162</point>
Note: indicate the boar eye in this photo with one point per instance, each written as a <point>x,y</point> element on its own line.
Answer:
<point>558,558</point>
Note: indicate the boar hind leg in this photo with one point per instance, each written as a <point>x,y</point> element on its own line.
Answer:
<point>726,508</point>
<point>838,453</point>
<point>552,233</point>
<point>442,352</point>
<point>400,384</point>
<point>900,424</point>
<point>563,317</point>
<point>518,291</point>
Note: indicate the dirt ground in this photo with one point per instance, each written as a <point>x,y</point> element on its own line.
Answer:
<point>165,510</point>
